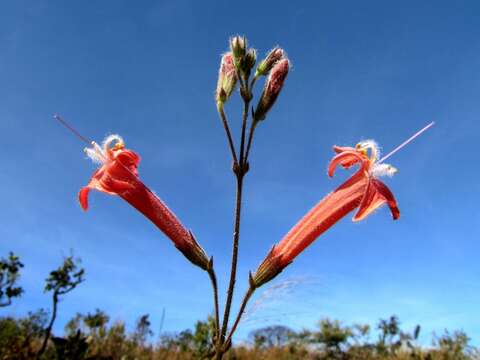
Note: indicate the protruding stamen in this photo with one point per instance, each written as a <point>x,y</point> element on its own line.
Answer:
<point>69,127</point>
<point>96,154</point>
<point>418,133</point>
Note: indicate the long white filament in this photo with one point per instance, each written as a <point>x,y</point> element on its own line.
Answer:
<point>411,138</point>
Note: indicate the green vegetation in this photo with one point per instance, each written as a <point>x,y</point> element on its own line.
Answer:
<point>9,274</point>
<point>93,336</point>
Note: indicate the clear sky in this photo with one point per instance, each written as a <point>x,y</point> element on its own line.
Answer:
<point>147,70</point>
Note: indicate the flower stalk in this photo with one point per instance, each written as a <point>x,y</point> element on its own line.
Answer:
<point>243,60</point>
<point>118,175</point>
<point>363,191</point>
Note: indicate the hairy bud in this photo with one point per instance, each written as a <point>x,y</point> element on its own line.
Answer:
<point>267,64</point>
<point>250,58</point>
<point>227,79</point>
<point>249,62</point>
<point>272,88</point>
<point>238,46</point>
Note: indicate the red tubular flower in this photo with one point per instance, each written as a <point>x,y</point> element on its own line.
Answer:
<point>362,191</point>
<point>118,175</point>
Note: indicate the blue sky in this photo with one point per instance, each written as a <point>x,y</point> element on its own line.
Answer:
<point>148,71</point>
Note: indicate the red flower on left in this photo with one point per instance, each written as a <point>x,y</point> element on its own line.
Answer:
<point>118,175</point>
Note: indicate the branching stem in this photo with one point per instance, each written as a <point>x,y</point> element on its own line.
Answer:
<point>240,169</point>
<point>253,126</point>
<point>228,133</point>
<point>246,297</point>
<point>213,279</point>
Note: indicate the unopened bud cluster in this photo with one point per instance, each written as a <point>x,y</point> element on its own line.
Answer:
<point>238,46</point>
<point>244,58</point>
<point>237,65</point>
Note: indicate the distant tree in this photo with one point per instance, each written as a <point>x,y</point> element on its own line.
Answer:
<point>392,339</point>
<point>301,338</point>
<point>18,335</point>
<point>33,327</point>
<point>9,275</point>
<point>142,330</point>
<point>96,322</point>
<point>184,340</point>
<point>270,336</point>
<point>333,336</point>
<point>10,337</point>
<point>116,343</point>
<point>202,338</point>
<point>409,341</point>
<point>389,339</point>
<point>454,346</point>
<point>360,332</point>
<point>60,282</point>
<point>170,341</point>
<point>198,343</point>
<point>74,324</point>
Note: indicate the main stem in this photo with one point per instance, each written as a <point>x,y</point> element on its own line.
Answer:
<point>240,169</point>
<point>233,271</point>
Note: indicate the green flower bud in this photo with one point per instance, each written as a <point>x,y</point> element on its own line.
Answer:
<point>250,59</point>
<point>238,46</point>
<point>267,64</point>
<point>227,79</point>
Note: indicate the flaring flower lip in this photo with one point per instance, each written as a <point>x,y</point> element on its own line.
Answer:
<point>118,172</point>
<point>376,192</point>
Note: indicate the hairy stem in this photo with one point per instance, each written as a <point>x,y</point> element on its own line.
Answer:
<point>244,127</point>
<point>213,279</point>
<point>253,126</point>
<point>233,271</point>
<point>228,133</point>
<point>246,297</point>
<point>240,172</point>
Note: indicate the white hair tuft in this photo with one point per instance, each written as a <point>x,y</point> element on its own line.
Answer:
<point>110,140</point>
<point>379,170</point>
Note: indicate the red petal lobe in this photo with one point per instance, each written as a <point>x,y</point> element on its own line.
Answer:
<point>376,194</point>
<point>83,197</point>
<point>346,158</point>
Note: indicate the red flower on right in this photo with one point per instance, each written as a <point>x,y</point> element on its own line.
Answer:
<point>363,191</point>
